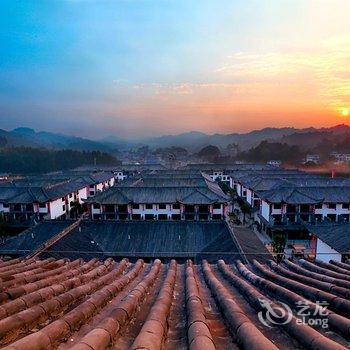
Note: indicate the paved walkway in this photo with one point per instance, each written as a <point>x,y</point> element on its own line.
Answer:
<point>251,244</point>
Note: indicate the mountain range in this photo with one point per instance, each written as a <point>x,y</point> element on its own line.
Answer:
<point>192,141</point>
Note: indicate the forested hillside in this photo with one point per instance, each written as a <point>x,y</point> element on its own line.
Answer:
<point>26,160</point>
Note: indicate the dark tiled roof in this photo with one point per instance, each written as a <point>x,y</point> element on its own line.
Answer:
<point>263,182</point>
<point>165,182</point>
<point>251,245</point>
<point>147,239</point>
<point>227,167</point>
<point>32,238</point>
<point>47,187</point>
<point>127,238</point>
<point>99,305</point>
<point>336,235</point>
<point>307,195</point>
<point>32,194</point>
<point>125,195</point>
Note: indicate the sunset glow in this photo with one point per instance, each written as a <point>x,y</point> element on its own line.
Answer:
<point>345,112</point>
<point>139,68</point>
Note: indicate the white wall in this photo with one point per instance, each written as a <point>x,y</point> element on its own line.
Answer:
<point>223,210</point>
<point>4,210</point>
<point>155,210</point>
<point>120,176</point>
<point>325,253</point>
<point>56,208</point>
<point>82,194</point>
<point>265,210</point>
<point>324,211</point>
<point>249,196</point>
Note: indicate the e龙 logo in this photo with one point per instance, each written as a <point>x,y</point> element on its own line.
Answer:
<point>273,315</point>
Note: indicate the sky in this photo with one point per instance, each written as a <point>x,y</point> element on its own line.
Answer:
<point>140,68</point>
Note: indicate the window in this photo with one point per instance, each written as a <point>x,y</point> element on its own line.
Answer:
<point>5,205</point>
<point>305,217</point>
<point>175,217</point>
<point>149,206</point>
<point>29,207</point>
<point>109,208</point>
<point>70,195</point>
<point>216,217</point>
<point>332,217</point>
<point>162,206</point>
<point>162,217</point>
<point>63,207</point>
<point>277,219</point>
<point>17,207</point>
<point>277,206</point>
<point>346,205</point>
<point>189,208</point>
<point>318,206</point>
<point>149,217</point>
<point>291,208</point>
<point>216,206</point>
<point>136,206</point>
<point>97,206</point>
<point>122,208</point>
<point>136,216</point>
<point>304,208</point>
<point>203,216</point>
<point>291,218</point>
<point>63,199</point>
<point>344,217</point>
<point>189,216</point>
<point>332,206</point>
<point>318,217</point>
<point>203,208</point>
<point>123,216</point>
<point>176,206</point>
<point>92,186</point>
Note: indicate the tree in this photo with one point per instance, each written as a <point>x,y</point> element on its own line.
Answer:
<point>2,227</point>
<point>233,149</point>
<point>266,151</point>
<point>210,153</point>
<point>279,241</point>
<point>76,209</point>
<point>224,187</point>
<point>246,209</point>
<point>26,160</point>
<point>3,141</point>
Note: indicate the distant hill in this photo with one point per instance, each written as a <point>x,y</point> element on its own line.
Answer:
<point>58,141</point>
<point>315,138</point>
<point>192,141</point>
<point>9,139</point>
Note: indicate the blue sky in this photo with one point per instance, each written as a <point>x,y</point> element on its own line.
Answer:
<point>138,68</point>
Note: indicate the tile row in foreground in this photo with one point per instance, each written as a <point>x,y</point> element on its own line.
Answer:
<point>84,305</point>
